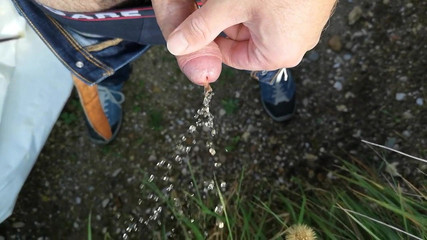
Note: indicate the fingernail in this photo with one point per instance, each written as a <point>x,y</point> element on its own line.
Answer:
<point>177,43</point>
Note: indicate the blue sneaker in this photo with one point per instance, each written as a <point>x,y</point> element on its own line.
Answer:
<point>102,108</point>
<point>277,93</point>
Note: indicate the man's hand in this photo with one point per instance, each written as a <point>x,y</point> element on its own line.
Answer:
<point>201,65</point>
<point>261,34</point>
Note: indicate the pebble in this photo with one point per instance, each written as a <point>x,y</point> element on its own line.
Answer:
<point>342,108</point>
<point>310,157</point>
<point>406,133</point>
<point>116,172</point>
<point>419,101</point>
<point>338,86</point>
<point>335,43</point>
<point>18,225</point>
<point>347,56</point>
<point>407,115</point>
<point>349,95</point>
<point>152,158</point>
<point>400,96</point>
<point>105,202</point>
<point>354,15</point>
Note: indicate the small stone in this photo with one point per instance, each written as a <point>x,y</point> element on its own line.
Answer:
<point>347,56</point>
<point>338,86</point>
<point>116,172</point>
<point>18,225</point>
<point>310,157</point>
<point>342,108</point>
<point>407,114</point>
<point>400,96</point>
<point>105,202</point>
<point>419,101</point>
<point>245,136</point>
<point>335,43</point>
<point>152,158</point>
<point>354,15</point>
<point>406,133</point>
<point>349,95</point>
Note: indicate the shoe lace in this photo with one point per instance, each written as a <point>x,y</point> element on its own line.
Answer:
<point>106,95</point>
<point>278,93</point>
<point>281,74</point>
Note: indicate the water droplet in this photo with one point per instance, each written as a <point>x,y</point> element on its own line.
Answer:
<point>187,149</point>
<point>213,132</point>
<point>217,164</point>
<point>212,151</point>
<point>165,178</point>
<point>141,186</point>
<point>192,129</point>
<point>140,201</point>
<point>183,138</point>
<point>192,220</point>
<point>223,184</point>
<point>178,159</point>
<point>221,224</point>
<point>125,236</point>
<point>161,163</point>
<point>151,178</point>
<point>218,209</point>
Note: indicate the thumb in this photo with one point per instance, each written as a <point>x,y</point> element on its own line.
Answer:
<point>203,26</point>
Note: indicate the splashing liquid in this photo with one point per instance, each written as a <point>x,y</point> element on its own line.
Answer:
<point>166,171</point>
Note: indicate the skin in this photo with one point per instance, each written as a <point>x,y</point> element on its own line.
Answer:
<point>261,34</point>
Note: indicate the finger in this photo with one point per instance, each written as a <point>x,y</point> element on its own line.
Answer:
<point>204,25</point>
<point>171,13</point>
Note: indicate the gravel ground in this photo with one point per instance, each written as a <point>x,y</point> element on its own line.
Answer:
<point>364,80</point>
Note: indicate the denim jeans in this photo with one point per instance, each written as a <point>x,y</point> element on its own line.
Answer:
<point>91,59</point>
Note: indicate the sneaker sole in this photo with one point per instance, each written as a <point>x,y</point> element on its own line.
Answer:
<point>278,119</point>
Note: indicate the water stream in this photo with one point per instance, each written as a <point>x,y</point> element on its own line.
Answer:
<point>170,191</point>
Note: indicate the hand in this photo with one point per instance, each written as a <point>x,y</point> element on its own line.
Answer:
<point>201,66</point>
<point>261,34</point>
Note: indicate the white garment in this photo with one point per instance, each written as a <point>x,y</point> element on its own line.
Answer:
<point>34,87</point>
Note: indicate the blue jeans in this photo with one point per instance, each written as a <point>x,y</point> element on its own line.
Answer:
<point>69,47</point>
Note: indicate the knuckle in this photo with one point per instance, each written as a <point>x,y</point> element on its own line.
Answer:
<point>198,28</point>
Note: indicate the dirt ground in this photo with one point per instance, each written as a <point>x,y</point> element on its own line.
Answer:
<point>365,80</point>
